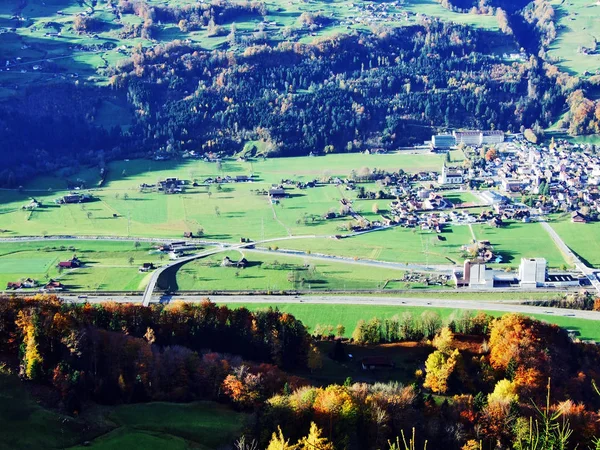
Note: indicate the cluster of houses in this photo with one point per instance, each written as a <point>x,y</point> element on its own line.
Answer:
<point>373,13</point>
<point>176,250</point>
<point>30,283</point>
<point>564,177</point>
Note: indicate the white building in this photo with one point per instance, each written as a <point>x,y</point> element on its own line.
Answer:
<point>468,137</point>
<point>450,176</point>
<point>477,137</point>
<point>532,272</point>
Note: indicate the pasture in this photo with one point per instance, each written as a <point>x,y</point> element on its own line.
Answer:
<point>583,239</point>
<point>204,425</point>
<point>272,272</point>
<point>518,240</point>
<point>225,212</point>
<point>577,28</point>
<point>349,315</point>
<point>394,244</point>
<point>107,266</point>
<point>26,424</point>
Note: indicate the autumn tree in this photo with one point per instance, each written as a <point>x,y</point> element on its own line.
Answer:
<point>439,367</point>
<point>491,154</point>
<point>444,340</point>
<point>314,440</point>
<point>279,442</point>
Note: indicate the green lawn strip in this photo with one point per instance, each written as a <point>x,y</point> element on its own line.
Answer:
<point>349,315</point>
<point>126,437</point>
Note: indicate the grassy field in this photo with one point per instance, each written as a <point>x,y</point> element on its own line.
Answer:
<point>203,425</point>
<point>225,213</point>
<point>349,315</point>
<point>106,264</point>
<point>583,239</point>
<point>577,27</point>
<point>396,245</point>
<point>518,240</point>
<point>279,272</point>
<point>27,425</point>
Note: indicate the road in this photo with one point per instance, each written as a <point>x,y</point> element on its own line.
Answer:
<point>364,300</point>
<point>431,268</point>
<point>147,297</point>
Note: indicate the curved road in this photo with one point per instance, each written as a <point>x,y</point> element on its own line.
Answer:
<point>147,297</point>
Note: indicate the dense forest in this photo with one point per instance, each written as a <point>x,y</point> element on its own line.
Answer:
<point>508,383</point>
<point>345,93</point>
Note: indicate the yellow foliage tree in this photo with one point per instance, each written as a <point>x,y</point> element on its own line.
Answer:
<point>279,442</point>
<point>32,359</point>
<point>314,441</point>
<point>505,390</point>
<point>444,340</point>
<point>438,367</point>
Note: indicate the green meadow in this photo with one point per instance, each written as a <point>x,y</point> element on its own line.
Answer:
<point>225,212</point>
<point>577,28</point>
<point>107,266</point>
<point>394,244</point>
<point>273,272</point>
<point>518,240</point>
<point>203,425</point>
<point>27,424</point>
<point>349,315</point>
<point>582,238</point>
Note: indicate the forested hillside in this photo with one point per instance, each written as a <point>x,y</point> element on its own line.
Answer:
<point>344,93</point>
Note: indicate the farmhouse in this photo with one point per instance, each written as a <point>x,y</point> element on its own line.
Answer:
<point>33,204</point>
<point>277,193</point>
<point>73,263</point>
<point>146,267</point>
<point>577,217</point>
<point>74,198</point>
<point>227,262</point>
<point>27,283</point>
<point>376,362</point>
<point>172,185</point>
<point>53,285</point>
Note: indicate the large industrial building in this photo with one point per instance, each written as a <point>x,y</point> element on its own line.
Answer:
<point>478,137</point>
<point>533,273</point>
<point>470,137</point>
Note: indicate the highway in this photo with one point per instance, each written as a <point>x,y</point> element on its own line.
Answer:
<point>365,300</point>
